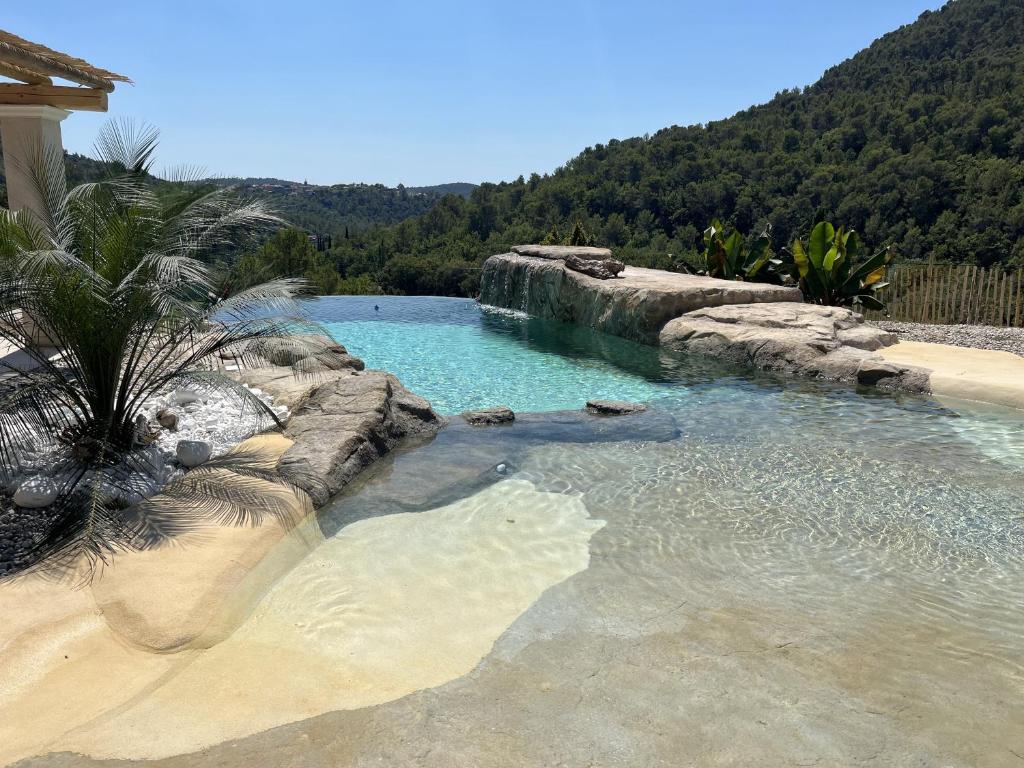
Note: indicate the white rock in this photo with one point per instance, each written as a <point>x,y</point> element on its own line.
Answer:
<point>184,397</point>
<point>192,453</point>
<point>35,493</point>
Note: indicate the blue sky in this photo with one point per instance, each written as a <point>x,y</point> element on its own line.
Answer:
<point>431,92</point>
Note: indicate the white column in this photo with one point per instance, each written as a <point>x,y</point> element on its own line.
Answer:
<point>25,130</point>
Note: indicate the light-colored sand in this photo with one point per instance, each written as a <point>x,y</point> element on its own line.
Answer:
<point>69,655</point>
<point>355,623</point>
<point>982,375</point>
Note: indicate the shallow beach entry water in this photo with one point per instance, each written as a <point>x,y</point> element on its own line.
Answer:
<point>757,571</point>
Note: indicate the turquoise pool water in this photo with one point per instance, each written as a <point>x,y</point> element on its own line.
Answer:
<point>460,355</point>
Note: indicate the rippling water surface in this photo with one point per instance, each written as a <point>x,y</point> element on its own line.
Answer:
<point>889,523</point>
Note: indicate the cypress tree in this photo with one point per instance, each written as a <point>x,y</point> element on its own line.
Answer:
<point>579,235</point>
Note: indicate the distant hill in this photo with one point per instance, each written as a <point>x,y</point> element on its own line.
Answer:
<point>322,209</point>
<point>917,140</point>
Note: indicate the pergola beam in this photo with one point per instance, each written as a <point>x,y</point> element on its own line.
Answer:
<point>62,97</point>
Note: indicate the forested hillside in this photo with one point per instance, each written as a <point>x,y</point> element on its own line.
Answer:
<point>333,209</point>
<point>917,141</point>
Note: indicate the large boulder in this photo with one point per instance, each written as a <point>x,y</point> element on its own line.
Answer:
<point>636,305</point>
<point>805,339</point>
<point>347,423</point>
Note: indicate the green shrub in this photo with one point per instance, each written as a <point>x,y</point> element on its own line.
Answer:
<point>727,256</point>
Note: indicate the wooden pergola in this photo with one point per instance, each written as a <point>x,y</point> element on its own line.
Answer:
<point>34,66</point>
<point>32,107</point>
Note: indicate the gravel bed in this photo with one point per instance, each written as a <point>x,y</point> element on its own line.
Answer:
<point>214,419</point>
<point>977,336</point>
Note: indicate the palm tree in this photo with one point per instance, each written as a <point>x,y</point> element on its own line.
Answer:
<point>106,291</point>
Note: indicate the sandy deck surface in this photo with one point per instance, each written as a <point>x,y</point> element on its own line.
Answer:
<point>983,375</point>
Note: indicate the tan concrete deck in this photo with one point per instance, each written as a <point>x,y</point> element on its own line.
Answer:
<point>982,375</point>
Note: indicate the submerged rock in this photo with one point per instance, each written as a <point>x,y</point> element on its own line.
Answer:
<point>192,453</point>
<point>36,493</point>
<point>613,407</point>
<point>499,414</point>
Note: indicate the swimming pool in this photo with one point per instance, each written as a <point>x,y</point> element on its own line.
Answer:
<point>806,572</point>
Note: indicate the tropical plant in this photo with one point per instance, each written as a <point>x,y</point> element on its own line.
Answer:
<point>828,272</point>
<point>103,288</point>
<point>727,256</point>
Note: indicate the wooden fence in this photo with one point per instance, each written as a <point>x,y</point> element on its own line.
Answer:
<point>950,294</point>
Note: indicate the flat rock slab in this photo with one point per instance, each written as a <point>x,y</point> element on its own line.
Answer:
<point>636,305</point>
<point>286,385</point>
<point>805,339</point>
<point>563,252</point>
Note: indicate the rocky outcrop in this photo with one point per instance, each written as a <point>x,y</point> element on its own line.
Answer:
<point>345,424</point>
<point>635,305</point>
<point>805,339</point>
<point>291,350</point>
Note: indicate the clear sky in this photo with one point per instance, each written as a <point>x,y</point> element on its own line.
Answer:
<point>429,92</point>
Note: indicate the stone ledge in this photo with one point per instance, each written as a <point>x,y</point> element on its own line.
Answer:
<point>635,305</point>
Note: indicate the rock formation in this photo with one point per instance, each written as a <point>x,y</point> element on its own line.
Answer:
<point>805,339</point>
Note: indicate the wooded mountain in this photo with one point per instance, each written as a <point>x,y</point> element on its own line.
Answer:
<point>333,209</point>
<point>916,141</point>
